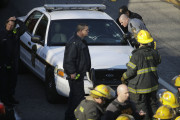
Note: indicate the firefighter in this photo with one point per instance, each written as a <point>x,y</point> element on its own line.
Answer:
<point>125,117</point>
<point>124,10</point>
<point>9,56</point>
<point>176,82</point>
<point>92,107</point>
<point>164,112</point>
<point>168,98</point>
<point>142,75</point>
<point>177,118</point>
<point>121,105</point>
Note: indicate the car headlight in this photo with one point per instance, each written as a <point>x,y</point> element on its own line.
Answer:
<point>60,72</point>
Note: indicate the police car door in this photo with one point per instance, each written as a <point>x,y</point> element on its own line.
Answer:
<point>39,58</point>
<point>25,40</point>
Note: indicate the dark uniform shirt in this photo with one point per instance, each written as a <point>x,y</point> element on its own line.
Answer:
<point>142,70</point>
<point>76,56</point>
<point>115,108</point>
<point>88,109</point>
<point>9,44</point>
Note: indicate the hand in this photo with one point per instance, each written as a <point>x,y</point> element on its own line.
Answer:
<point>12,18</point>
<point>142,113</point>
<point>73,76</point>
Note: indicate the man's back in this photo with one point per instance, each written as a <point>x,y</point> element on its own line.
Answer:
<point>88,109</point>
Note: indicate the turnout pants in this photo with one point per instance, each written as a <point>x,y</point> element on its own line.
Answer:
<point>76,95</point>
<point>146,102</point>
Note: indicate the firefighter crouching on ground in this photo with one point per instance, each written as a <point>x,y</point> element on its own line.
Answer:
<point>9,56</point>
<point>92,107</point>
<point>168,98</point>
<point>164,112</point>
<point>121,105</point>
<point>125,117</point>
<point>142,75</point>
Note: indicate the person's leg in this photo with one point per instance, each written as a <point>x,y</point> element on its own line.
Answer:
<point>76,95</point>
<point>153,103</point>
<point>140,100</point>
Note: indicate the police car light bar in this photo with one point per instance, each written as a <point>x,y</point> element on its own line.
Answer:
<point>55,7</point>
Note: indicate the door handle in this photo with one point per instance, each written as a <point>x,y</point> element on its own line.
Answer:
<point>29,43</point>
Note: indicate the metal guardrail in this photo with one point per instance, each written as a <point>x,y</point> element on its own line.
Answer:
<point>175,2</point>
<point>167,85</point>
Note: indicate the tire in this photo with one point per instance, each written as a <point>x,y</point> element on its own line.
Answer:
<point>51,93</point>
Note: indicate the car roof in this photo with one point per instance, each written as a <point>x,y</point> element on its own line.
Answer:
<point>75,14</point>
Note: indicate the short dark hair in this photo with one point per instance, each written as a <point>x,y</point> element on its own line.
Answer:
<point>124,9</point>
<point>11,21</point>
<point>81,26</point>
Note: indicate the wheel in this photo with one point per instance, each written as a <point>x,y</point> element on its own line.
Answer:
<point>51,93</point>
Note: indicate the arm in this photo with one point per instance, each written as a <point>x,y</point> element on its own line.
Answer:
<point>70,57</point>
<point>22,27</point>
<point>131,68</point>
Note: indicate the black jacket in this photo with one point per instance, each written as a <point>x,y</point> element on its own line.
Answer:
<point>142,70</point>
<point>9,43</point>
<point>115,108</point>
<point>131,16</point>
<point>76,56</point>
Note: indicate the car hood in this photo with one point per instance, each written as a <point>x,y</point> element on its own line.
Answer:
<point>102,57</point>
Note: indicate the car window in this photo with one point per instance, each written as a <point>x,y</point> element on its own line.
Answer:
<point>101,32</point>
<point>41,28</point>
<point>32,20</point>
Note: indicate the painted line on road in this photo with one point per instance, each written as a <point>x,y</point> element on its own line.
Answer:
<point>167,85</point>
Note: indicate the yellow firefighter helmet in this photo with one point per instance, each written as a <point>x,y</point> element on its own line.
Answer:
<point>168,98</point>
<point>125,117</point>
<point>103,91</point>
<point>164,112</point>
<point>144,37</point>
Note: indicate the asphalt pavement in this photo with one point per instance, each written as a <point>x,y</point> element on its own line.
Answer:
<point>161,18</point>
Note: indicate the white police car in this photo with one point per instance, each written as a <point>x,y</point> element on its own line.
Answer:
<point>49,27</point>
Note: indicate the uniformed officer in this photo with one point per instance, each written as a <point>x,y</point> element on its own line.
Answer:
<point>92,107</point>
<point>9,54</point>
<point>77,62</point>
<point>124,10</point>
<point>164,112</point>
<point>121,105</point>
<point>142,75</point>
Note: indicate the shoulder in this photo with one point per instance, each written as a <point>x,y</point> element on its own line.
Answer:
<point>113,106</point>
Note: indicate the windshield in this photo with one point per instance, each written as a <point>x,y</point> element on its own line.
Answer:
<point>101,32</point>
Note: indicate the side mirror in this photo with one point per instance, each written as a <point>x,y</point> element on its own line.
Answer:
<point>36,39</point>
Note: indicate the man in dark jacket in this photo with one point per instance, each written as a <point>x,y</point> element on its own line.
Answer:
<point>76,63</point>
<point>121,105</point>
<point>124,10</point>
<point>9,54</point>
<point>142,75</point>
